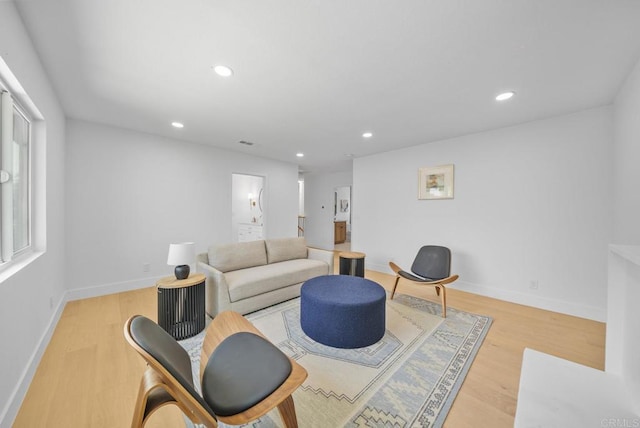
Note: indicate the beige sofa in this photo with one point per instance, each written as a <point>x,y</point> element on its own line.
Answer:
<point>248,276</point>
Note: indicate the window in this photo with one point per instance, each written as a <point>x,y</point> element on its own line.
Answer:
<point>15,198</point>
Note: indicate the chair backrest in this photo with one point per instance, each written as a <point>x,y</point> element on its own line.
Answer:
<point>433,262</point>
<point>165,355</point>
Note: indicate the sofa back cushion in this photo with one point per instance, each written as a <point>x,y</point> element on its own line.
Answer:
<point>236,256</point>
<point>280,250</point>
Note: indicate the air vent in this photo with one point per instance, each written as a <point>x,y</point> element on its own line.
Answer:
<point>246,143</point>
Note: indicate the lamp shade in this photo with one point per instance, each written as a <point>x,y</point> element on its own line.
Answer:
<point>183,253</point>
<point>181,256</point>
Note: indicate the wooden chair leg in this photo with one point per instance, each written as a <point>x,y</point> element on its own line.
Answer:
<point>151,396</point>
<point>287,412</point>
<point>139,410</point>
<point>393,290</point>
<point>442,291</point>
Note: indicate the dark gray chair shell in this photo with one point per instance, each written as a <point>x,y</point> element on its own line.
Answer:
<point>243,376</point>
<point>432,266</point>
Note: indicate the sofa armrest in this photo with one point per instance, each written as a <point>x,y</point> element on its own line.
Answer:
<point>216,289</point>
<point>322,255</point>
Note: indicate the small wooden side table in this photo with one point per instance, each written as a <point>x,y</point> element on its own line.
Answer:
<point>352,263</point>
<point>181,305</point>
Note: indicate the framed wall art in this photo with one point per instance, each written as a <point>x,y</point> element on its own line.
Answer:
<point>435,182</point>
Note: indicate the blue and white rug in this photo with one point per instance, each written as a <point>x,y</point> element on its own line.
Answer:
<point>408,379</point>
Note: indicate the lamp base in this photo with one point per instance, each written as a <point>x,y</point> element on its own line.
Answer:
<point>182,271</point>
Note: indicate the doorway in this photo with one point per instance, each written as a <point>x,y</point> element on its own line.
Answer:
<point>248,220</point>
<point>342,218</point>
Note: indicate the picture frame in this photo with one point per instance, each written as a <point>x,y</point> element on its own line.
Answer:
<point>435,182</point>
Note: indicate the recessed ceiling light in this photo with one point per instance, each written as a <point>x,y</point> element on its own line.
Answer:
<point>367,135</point>
<point>177,125</point>
<point>300,155</point>
<point>223,70</point>
<point>505,96</point>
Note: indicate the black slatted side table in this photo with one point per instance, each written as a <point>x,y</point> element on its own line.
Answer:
<point>352,263</point>
<point>181,305</point>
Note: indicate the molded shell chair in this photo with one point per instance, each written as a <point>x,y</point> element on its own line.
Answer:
<point>243,375</point>
<point>432,266</point>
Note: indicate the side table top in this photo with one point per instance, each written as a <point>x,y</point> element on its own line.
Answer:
<point>352,255</point>
<point>172,282</point>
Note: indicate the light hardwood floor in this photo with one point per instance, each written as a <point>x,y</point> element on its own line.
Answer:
<point>88,376</point>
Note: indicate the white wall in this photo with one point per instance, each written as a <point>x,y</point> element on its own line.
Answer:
<point>318,206</point>
<point>532,203</point>
<point>129,195</point>
<point>29,299</point>
<point>626,174</point>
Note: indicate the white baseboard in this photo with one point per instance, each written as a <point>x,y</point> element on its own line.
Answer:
<point>561,306</point>
<point>378,267</point>
<point>12,407</point>
<point>554,305</point>
<point>114,287</point>
<point>10,410</point>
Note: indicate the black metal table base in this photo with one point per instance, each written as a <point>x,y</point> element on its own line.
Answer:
<point>181,310</point>
<point>352,266</point>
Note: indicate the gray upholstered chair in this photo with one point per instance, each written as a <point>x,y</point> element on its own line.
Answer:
<point>432,266</point>
<point>243,375</point>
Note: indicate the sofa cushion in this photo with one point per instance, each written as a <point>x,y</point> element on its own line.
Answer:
<point>262,279</point>
<point>282,249</point>
<point>236,256</point>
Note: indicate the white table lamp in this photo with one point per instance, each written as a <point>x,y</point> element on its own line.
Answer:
<point>181,256</point>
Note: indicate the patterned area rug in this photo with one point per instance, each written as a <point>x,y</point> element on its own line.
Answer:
<point>408,379</point>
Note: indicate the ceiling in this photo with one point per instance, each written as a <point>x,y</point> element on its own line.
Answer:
<point>312,76</point>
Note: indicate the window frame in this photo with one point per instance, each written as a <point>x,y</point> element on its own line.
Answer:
<point>25,115</point>
<point>23,106</point>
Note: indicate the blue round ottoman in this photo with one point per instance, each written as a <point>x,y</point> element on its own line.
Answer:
<point>343,311</point>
